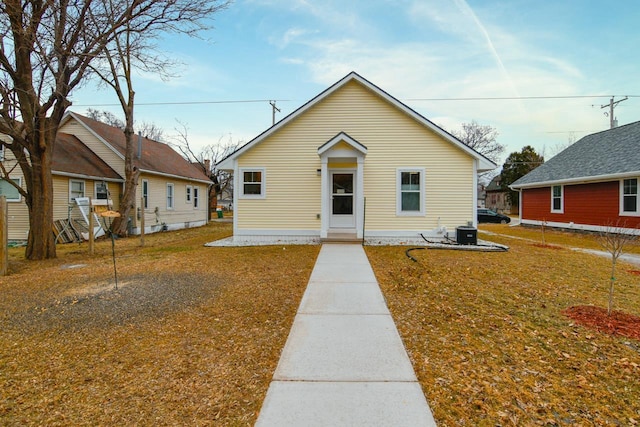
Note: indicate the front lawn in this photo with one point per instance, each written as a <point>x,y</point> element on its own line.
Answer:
<point>489,342</point>
<point>193,334</point>
<point>191,337</point>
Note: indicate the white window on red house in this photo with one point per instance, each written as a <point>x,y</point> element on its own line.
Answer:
<point>556,199</point>
<point>630,196</point>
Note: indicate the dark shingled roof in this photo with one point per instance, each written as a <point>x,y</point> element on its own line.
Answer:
<point>71,156</point>
<point>602,155</point>
<point>156,156</point>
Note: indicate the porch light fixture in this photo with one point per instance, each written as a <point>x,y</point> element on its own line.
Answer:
<point>319,172</point>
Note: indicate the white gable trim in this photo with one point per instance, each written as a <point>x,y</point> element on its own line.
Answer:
<point>342,137</point>
<point>484,164</point>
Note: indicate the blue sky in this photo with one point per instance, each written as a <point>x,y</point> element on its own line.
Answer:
<point>418,51</point>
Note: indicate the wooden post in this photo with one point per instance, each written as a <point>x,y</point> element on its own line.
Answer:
<point>91,231</point>
<point>142,221</point>
<point>4,238</point>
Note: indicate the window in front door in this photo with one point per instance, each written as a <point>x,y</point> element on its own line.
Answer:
<point>342,192</point>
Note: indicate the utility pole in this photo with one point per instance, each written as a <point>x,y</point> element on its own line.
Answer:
<point>274,109</point>
<point>612,121</point>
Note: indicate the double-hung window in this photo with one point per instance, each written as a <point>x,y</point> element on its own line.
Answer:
<point>9,191</point>
<point>557,199</point>
<point>196,197</point>
<point>410,191</point>
<point>252,183</point>
<point>145,193</point>
<point>170,196</point>
<point>189,191</point>
<point>76,189</point>
<point>101,190</point>
<point>630,204</point>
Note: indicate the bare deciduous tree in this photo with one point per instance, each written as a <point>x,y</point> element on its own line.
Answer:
<point>481,138</point>
<point>207,158</point>
<point>132,48</point>
<point>613,238</point>
<point>46,49</point>
<point>105,117</point>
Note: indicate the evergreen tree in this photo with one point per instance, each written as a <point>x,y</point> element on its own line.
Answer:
<point>517,165</point>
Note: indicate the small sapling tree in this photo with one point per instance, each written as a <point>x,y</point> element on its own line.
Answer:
<point>613,238</point>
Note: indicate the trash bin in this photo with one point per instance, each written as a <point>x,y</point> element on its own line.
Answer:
<point>219,211</point>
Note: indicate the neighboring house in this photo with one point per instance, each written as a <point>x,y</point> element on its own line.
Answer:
<point>353,162</point>
<point>88,161</point>
<point>497,198</point>
<point>482,195</point>
<point>591,184</point>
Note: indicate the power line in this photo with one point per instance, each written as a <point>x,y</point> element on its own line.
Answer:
<point>510,98</point>
<point>248,101</point>
<point>240,101</point>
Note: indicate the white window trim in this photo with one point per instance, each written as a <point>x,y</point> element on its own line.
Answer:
<point>171,206</point>
<point>189,194</point>
<point>19,199</point>
<point>561,210</point>
<point>84,188</point>
<point>422,172</point>
<point>2,153</point>
<point>637,211</point>
<point>95,189</point>
<point>263,184</point>
<point>145,196</point>
<point>196,197</point>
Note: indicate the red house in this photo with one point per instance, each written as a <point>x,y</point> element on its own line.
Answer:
<point>591,184</point>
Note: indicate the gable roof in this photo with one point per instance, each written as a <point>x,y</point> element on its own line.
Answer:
<point>342,137</point>
<point>484,163</point>
<point>157,158</point>
<point>610,154</point>
<point>72,158</point>
<point>495,185</point>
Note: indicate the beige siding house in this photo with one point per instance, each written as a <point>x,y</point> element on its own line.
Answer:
<point>88,161</point>
<point>353,161</point>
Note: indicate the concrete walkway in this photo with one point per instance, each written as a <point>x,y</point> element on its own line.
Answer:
<point>344,363</point>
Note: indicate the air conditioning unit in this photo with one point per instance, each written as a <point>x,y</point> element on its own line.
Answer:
<point>466,236</point>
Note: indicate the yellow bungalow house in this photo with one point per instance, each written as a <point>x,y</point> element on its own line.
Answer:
<point>353,162</point>
<point>88,161</point>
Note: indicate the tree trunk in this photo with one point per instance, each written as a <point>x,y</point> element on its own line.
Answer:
<point>613,279</point>
<point>128,201</point>
<point>41,242</point>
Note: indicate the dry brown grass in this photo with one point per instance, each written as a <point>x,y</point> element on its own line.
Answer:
<point>488,340</point>
<point>576,239</point>
<point>191,337</point>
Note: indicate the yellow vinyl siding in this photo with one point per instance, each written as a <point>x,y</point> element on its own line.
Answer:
<point>182,212</point>
<point>97,146</point>
<point>393,140</point>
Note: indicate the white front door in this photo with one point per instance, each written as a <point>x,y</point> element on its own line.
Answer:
<point>342,200</point>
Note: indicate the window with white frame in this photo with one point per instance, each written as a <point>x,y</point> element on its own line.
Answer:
<point>76,189</point>
<point>189,191</point>
<point>252,183</point>
<point>557,198</point>
<point>196,197</point>
<point>101,190</point>
<point>145,193</point>
<point>630,204</point>
<point>170,196</point>
<point>410,191</point>
<point>9,191</point>
<point>1,152</point>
